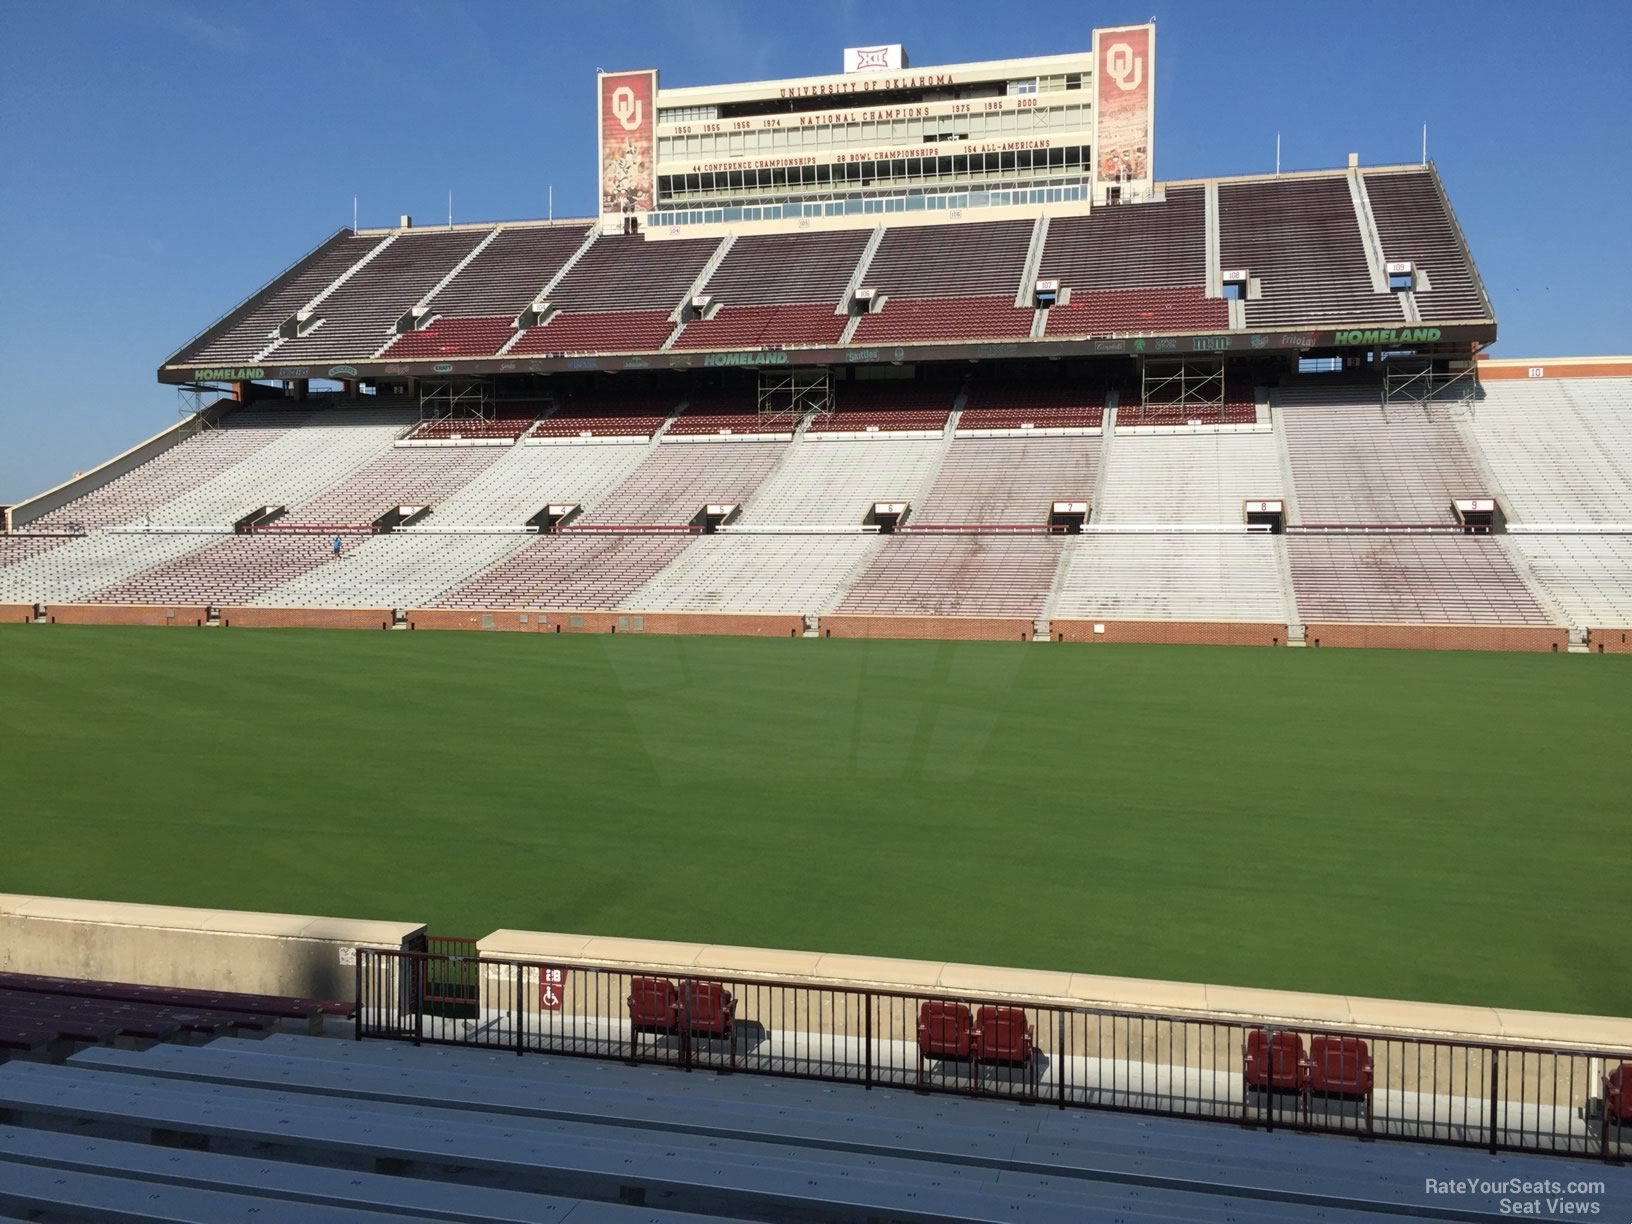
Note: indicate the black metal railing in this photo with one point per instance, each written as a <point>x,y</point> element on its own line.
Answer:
<point>1496,1096</point>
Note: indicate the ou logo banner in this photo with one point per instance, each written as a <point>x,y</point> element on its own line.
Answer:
<point>1124,67</point>
<point>626,108</point>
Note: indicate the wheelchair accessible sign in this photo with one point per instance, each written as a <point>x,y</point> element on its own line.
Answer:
<point>552,987</point>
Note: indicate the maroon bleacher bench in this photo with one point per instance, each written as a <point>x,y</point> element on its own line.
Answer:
<point>234,1008</point>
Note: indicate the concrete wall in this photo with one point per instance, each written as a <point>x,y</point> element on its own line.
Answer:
<point>1439,637</point>
<point>162,945</point>
<point>1187,633</point>
<point>1191,1000</point>
<point>1609,641</point>
<point>944,628</point>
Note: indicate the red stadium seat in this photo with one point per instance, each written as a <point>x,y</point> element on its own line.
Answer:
<point>710,1009</point>
<point>945,1030</point>
<point>1618,1094</point>
<point>1275,1063</point>
<point>654,1006</point>
<point>1003,1035</point>
<point>1339,1066</point>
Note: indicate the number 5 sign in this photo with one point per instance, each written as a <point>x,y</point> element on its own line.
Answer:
<point>552,987</point>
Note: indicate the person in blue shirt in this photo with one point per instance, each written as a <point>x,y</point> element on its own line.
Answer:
<point>337,546</point>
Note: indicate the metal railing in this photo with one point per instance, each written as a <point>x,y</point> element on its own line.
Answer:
<point>1497,1096</point>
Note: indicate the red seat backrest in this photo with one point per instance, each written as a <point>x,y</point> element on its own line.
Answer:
<point>1275,1061</point>
<point>1618,1098</point>
<point>1004,1034</point>
<point>945,1030</point>
<point>1340,1064</point>
<point>653,1001</point>
<point>708,1005</point>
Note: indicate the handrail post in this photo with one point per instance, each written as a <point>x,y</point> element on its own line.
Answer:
<point>1059,1056</point>
<point>1495,1059</point>
<point>867,1002</point>
<point>519,976</point>
<point>357,994</point>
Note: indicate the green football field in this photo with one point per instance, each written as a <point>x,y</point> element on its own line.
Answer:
<point>1443,826</point>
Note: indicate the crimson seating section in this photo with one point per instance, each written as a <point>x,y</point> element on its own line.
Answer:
<point>1301,239</point>
<point>957,576</point>
<point>764,327</point>
<point>588,571</point>
<point>598,331</point>
<point>677,481</point>
<point>974,259</point>
<point>607,416</point>
<point>506,276</point>
<point>358,315</point>
<point>780,269</point>
<point>1014,406</point>
<point>708,1009</point>
<point>886,405</point>
<point>725,413</point>
<point>904,320</point>
<point>1275,1062</point>
<point>1136,246</point>
<point>1110,311</point>
<point>1414,223</point>
<point>1239,408</point>
<point>629,273</point>
<point>474,337</point>
<point>231,570</point>
<point>253,325</point>
<point>508,421</point>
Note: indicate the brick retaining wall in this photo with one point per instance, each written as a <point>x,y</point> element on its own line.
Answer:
<point>1182,633</point>
<point>1439,637</point>
<point>946,628</point>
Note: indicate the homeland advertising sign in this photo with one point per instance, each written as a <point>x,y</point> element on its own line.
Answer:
<point>627,113</point>
<point>1124,102</point>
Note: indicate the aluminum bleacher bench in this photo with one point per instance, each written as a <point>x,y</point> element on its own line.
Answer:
<point>690,1176</point>
<point>281,1186</point>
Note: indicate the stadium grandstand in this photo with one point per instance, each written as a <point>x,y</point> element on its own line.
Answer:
<point>897,352</point>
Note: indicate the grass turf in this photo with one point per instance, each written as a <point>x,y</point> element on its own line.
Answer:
<point>1449,827</point>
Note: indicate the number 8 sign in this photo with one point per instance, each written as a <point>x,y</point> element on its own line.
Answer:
<point>552,987</point>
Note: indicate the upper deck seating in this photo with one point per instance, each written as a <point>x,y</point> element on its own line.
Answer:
<point>948,282</point>
<point>775,269</point>
<point>1111,311</point>
<point>509,421</point>
<point>508,274</point>
<point>358,316</point>
<point>1159,243</point>
<point>597,331</point>
<point>253,326</point>
<point>1414,223</point>
<point>1009,406</point>
<point>1301,239</point>
<point>764,327</point>
<point>629,273</point>
<point>474,337</point>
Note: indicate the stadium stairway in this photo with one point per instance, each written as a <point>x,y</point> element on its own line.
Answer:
<point>444,1133</point>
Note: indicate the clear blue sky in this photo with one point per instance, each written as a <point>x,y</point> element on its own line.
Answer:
<point>160,159</point>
